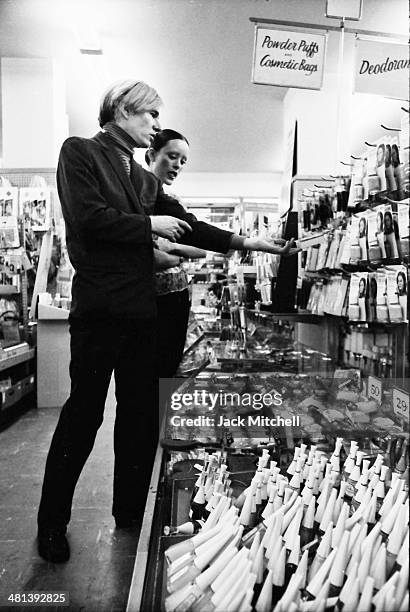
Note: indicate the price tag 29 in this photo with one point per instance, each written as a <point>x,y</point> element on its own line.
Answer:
<point>374,389</point>
<point>401,403</point>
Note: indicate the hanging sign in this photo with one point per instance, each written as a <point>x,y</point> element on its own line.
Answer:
<point>286,58</point>
<point>382,68</point>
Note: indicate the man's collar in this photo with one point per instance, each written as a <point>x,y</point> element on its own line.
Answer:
<point>120,136</point>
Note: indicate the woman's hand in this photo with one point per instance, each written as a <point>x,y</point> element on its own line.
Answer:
<point>271,246</point>
<point>186,251</point>
<point>169,227</point>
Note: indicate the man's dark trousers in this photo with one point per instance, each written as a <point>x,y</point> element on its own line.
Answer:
<point>99,348</point>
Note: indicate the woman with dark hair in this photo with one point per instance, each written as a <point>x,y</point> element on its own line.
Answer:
<point>401,283</point>
<point>395,157</point>
<point>390,236</point>
<point>391,181</point>
<point>380,169</point>
<point>363,238</point>
<point>165,158</point>
<point>397,166</point>
<point>361,298</point>
<point>362,288</point>
<point>380,233</point>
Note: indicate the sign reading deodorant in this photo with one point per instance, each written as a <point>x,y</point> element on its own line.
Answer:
<point>382,68</point>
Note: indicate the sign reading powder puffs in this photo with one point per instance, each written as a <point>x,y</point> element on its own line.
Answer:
<point>288,59</point>
<point>382,69</point>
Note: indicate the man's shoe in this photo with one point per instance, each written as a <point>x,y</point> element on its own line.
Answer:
<point>53,545</point>
<point>127,521</point>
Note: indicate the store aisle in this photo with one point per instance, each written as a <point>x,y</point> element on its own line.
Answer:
<point>98,574</point>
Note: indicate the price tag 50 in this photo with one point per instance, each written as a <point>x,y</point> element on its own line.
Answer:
<point>374,389</point>
<point>401,403</point>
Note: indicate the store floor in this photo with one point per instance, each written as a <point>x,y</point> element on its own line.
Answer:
<point>98,575</point>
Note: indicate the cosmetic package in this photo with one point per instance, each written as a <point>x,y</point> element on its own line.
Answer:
<point>35,207</point>
<point>382,312</point>
<point>337,288</point>
<point>388,166</point>
<point>402,217</point>
<point>373,179</point>
<point>391,233</point>
<point>311,260</point>
<point>377,249</point>
<point>356,191</point>
<point>372,310</point>
<point>8,201</point>
<point>333,250</point>
<point>362,236</point>
<point>316,298</point>
<point>322,254</point>
<point>358,296</point>
<point>400,156</point>
<point>397,292</point>
<point>343,253</point>
<point>355,251</point>
<point>380,165</point>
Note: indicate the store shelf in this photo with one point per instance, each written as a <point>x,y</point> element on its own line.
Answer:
<point>13,360</point>
<point>52,312</point>
<point>8,290</point>
<point>15,393</point>
<point>292,317</point>
<point>381,198</point>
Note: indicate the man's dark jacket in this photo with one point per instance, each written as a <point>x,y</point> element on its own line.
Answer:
<point>108,229</point>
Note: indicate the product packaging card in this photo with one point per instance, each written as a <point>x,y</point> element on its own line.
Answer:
<point>397,292</point>
<point>343,255</point>
<point>333,250</point>
<point>355,252</point>
<point>365,180</point>
<point>362,229</point>
<point>358,238</point>
<point>373,179</point>
<point>358,296</point>
<point>381,280</point>
<point>313,259</point>
<point>8,202</point>
<point>315,303</point>
<point>372,311</point>
<point>322,255</point>
<point>380,165</point>
<point>9,234</point>
<point>400,155</point>
<point>340,304</point>
<point>402,217</point>
<point>356,191</point>
<point>391,184</point>
<point>330,289</point>
<point>391,233</point>
<point>35,207</point>
<point>375,233</point>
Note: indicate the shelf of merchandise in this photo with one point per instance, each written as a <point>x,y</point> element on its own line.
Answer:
<point>292,317</point>
<point>14,360</point>
<point>8,290</point>
<point>148,575</point>
<point>22,366</point>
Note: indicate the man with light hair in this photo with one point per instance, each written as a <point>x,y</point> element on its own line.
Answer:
<point>111,207</point>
